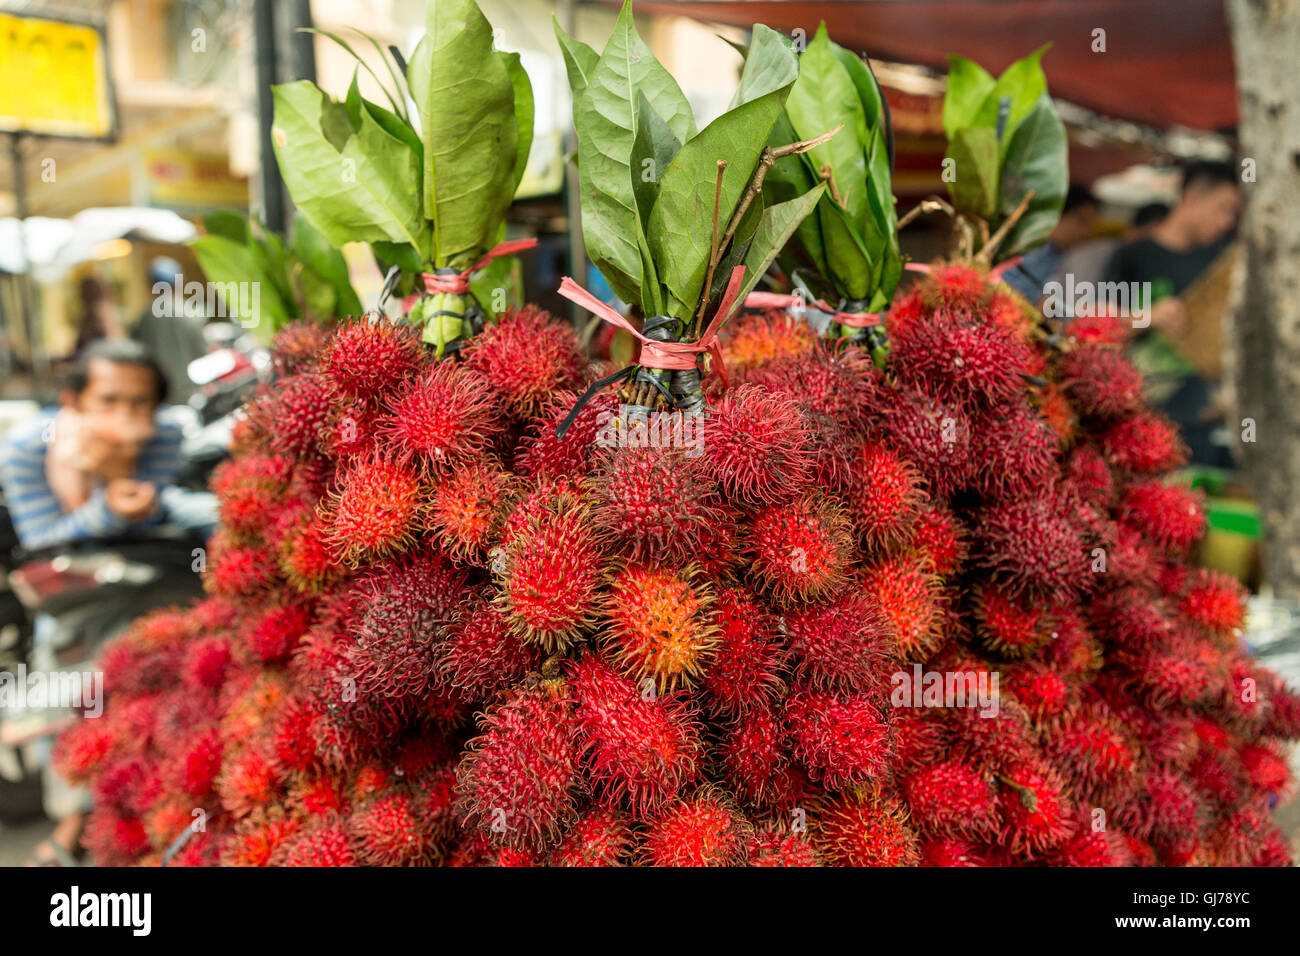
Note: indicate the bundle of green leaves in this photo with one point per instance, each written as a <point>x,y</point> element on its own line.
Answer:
<point>1007,161</point>
<point>428,188</point>
<point>847,251</point>
<point>305,278</point>
<point>669,211</point>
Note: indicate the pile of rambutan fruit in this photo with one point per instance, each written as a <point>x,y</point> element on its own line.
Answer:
<point>906,588</point>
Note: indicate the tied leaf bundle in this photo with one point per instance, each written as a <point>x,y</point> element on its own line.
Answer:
<point>848,250</point>
<point>428,188</point>
<point>669,212</point>
<point>1007,159</point>
<point>307,278</point>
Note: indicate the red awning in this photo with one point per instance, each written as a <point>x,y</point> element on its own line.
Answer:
<point>1167,62</point>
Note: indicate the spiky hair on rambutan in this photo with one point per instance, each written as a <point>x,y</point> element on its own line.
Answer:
<point>933,435</point>
<point>959,358</point>
<point>306,556</point>
<point>526,357</point>
<point>1092,847</point>
<point>551,572</point>
<point>1034,548</point>
<point>440,419</point>
<point>884,496</point>
<point>599,837</point>
<point>866,827</point>
<point>655,503</point>
<point>1014,452</point>
<point>377,510</point>
<point>639,749</point>
<point>757,445</point>
<point>1144,444</point>
<point>271,636</point>
<point>386,831</point>
<point>481,654</point>
<point>838,389</point>
<point>466,507</point>
<point>297,346</point>
<point>1093,752</point>
<point>842,643</point>
<point>366,360</point>
<point>908,596</point>
<point>293,413</point>
<point>1214,601</point>
<point>779,844</point>
<point>1168,516</point>
<point>516,780</point>
<point>1037,812</point>
<point>1164,810</point>
<point>952,798</point>
<point>841,740</point>
<point>755,757</point>
<point>939,540</point>
<point>1008,626</point>
<point>1101,382</point>
<point>703,830</point>
<point>397,636</point>
<point>660,627</point>
<point>800,550</point>
<point>754,339</point>
<point>956,285</point>
<point>748,657</point>
<point>542,454</point>
<point>251,491</point>
<point>324,844</point>
<point>238,572</point>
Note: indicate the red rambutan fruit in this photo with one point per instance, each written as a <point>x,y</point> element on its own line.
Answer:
<point>756,445</point>
<point>482,654</point>
<point>705,830</point>
<point>273,635</point>
<point>758,338</point>
<point>386,832</point>
<point>1034,548</point>
<point>306,558</point>
<point>643,748</point>
<point>952,798</point>
<point>841,644</point>
<point>659,624</point>
<point>884,496</point>
<point>840,740</point>
<point>782,846</point>
<point>526,357</point>
<point>600,837</point>
<point>755,756</point>
<point>441,419</point>
<point>961,361</point>
<point>655,503</point>
<point>801,549</point>
<point>1013,450</point>
<point>377,510</point>
<point>1214,601</point>
<point>295,412</point>
<point>1008,626</point>
<point>551,571</point>
<point>1144,443</point>
<point>542,455</point>
<point>908,597</point>
<point>325,844</point>
<point>1037,814</point>
<point>367,360</point>
<point>939,540</point>
<point>748,656</point>
<point>1101,382</point>
<point>857,828</point>
<point>466,507</point>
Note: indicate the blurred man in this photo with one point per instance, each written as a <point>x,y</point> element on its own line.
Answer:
<point>171,332</point>
<point>1087,262</point>
<point>1040,265</point>
<point>1171,257</point>
<point>102,464</point>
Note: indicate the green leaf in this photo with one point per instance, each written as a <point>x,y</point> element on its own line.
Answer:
<point>579,60</point>
<point>652,151</point>
<point>465,102</point>
<point>770,65</point>
<point>790,177</point>
<point>605,119</point>
<point>823,98</point>
<point>1037,159</point>
<point>401,254</point>
<point>774,231</point>
<point>848,261</point>
<point>680,225</point>
<point>363,192</point>
<point>395,126</point>
<point>969,85</point>
<point>224,222</point>
<point>865,83</point>
<point>523,92</point>
<point>974,188</point>
<point>1022,83</point>
<point>362,63</point>
<point>225,261</point>
<point>327,264</point>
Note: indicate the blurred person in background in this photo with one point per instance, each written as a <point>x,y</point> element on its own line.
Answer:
<point>1174,253</point>
<point>172,333</point>
<point>103,463</point>
<point>98,318</point>
<point>1040,265</point>
<point>1087,262</point>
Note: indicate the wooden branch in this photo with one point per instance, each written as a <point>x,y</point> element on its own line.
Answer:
<point>925,207</point>
<point>713,246</point>
<point>991,247</point>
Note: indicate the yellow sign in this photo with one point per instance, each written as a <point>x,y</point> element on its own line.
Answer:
<point>180,178</point>
<point>53,78</point>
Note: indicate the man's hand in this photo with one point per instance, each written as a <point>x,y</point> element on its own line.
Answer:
<point>131,499</point>
<point>1169,314</point>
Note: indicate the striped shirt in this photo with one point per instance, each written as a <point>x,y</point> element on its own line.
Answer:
<point>33,507</point>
